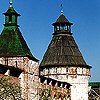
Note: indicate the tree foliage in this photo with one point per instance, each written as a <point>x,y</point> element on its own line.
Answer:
<point>9,90</point>
<point>45,94</point>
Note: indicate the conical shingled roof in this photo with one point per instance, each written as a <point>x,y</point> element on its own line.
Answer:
<point>12,44</point>
<point>63,50</point>
<point>62,20</point>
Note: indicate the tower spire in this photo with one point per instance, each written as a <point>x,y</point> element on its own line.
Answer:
<point>10,3</point>
<point>61,9</point>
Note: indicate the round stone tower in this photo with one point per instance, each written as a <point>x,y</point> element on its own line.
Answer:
<point>63,60</point>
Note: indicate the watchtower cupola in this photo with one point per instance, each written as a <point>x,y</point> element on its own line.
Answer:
<point>11,16</point>
<point>62,25</point>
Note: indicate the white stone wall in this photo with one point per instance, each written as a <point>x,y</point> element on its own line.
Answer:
<point>29,78</point>
<point>78,77</point>
<point>79,88</point>
<point>33,80</point>
<point>79,81</point>
<point>58,73</point>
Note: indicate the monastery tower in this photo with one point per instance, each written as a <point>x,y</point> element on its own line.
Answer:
<point>63,60</point>
<point>15,53</point>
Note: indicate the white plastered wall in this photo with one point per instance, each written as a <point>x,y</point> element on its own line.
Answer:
<point>78,77</point>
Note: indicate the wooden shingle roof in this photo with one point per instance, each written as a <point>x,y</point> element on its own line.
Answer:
<point>63,50</point>
<point>12,44</point>
<point>62,20</point>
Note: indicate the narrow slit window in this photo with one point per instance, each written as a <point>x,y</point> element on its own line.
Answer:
<point>10,18</point>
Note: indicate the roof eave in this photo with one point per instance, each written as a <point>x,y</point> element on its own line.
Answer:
<point>65,23</point>
<point>30,57</point>
<point>73,65</point>
<point>11,14</point>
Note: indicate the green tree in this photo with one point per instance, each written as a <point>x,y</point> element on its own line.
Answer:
<point>45,94</point>
<point>9,90</point>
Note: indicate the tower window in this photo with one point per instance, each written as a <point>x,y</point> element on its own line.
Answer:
<point>10,18</point>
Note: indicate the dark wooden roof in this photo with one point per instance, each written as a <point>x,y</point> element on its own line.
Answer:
<point>11,11</point>
<point>62,20</point>
<point>63,50</point>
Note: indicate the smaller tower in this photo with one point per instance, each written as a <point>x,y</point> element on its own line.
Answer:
<point>15,52</point>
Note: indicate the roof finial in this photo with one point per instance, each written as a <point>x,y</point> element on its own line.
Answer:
<point>10,3</point>
<point>62,9</point>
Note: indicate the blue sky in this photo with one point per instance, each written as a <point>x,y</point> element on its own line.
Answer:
<point>36,21</point>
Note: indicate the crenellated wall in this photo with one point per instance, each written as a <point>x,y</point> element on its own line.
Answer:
<point>78,77</point>
<point>29,78</point>
<point>54,90</point>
